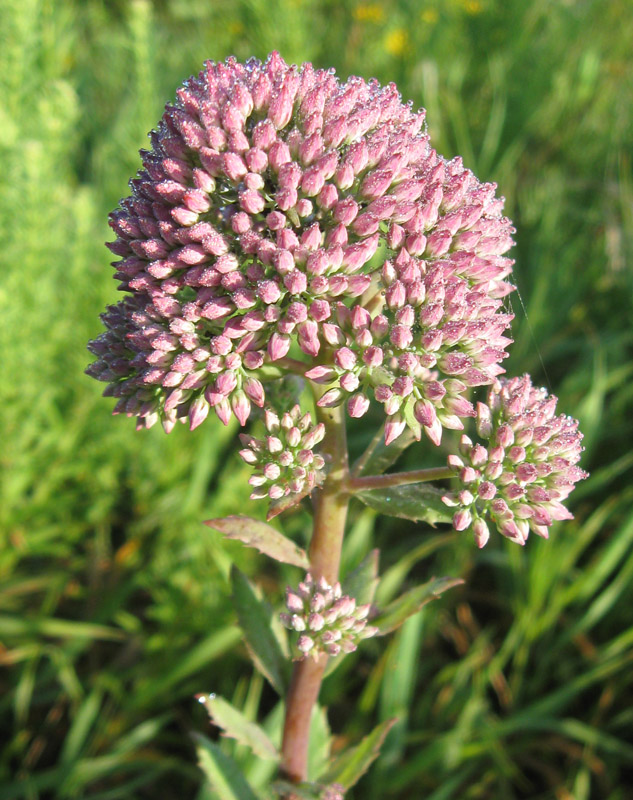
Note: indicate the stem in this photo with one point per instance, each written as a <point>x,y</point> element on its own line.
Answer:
<point>330,512</point>
<point>292,365</point>
<point>397,479</point>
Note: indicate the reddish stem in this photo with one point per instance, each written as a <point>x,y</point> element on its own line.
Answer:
<point>330,512</point>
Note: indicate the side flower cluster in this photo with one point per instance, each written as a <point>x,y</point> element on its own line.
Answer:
<point>278,206</point>
<point>325,620</point>
<point>519,479</point>
<point>285,462</point>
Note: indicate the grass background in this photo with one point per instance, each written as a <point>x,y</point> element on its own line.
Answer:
<point>114,606</point>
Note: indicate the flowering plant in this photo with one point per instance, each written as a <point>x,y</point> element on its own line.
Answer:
<point>285,224</point>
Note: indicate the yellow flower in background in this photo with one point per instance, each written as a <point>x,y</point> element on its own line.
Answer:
<point>473,7</point>
<point>430,16</point>
<point>235,28</point>
<point>369,12</point>
<point>397,42</point>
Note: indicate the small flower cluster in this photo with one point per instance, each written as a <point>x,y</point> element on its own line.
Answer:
<point>327,620</point>
<point>519,480</point>
<point>285,462</point>
<point>279,205</point>
<point>334,791</point>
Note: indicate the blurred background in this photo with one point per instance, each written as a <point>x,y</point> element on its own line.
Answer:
<point>114,598</point>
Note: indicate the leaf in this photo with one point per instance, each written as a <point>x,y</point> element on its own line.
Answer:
<point>83,722</point>
<point>276,507</point>
<point>384,455</point>
<point>361,583</point>
<point>348,768</point>
<point>263,537</point>
<point>320,742</point>
<point>224,775</point>
<point>410,603</point>
<point>56,628</point>
<point>415,501</point>
<point>255,621</point>
<point>235,725</point>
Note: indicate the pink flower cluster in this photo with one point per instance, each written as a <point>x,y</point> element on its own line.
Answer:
<point>326,620</point>
<point>528,467</point>
<point>279,206</point>
<point>285,462</point>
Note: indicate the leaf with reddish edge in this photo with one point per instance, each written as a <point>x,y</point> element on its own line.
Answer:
<point>236,726</point>
<point>415,501</point>
<point>410,603</point>
<point>257,534</point>
<point>349,767</point>
<point>277,507</point>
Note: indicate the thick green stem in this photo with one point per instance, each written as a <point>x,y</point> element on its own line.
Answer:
<point>398,479</point>
<point>330,512</point>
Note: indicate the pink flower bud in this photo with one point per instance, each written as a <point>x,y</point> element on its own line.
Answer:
<point>331,398</point>
<point>278,346</point>
<point>223,411</point>
<point>345,358</point>
<point>393,428</point>
<point>357,405</point>
<point>462,520</point>
<point>198,412</point>
<point>349,382</point>
<point>254,391</point>
<point>482,534</point>
<point>241,407</point>
<point>505,436</point>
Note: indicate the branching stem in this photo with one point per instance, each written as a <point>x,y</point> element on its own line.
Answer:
<point>357,484</point>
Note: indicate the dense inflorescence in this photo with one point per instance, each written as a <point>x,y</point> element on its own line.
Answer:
<point>326,620</point>
<point>284,461</point>
<point>279,209</point>
<point>527,467</point>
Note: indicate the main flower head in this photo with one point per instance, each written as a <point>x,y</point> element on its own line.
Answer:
<point>279,208</point>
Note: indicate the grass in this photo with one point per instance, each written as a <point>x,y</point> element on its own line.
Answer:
<point>114,607</point>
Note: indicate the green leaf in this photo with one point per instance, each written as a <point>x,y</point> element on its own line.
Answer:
<point>56,628</point>
<point>224,775</point>
<point>410,603</point>
<point>255,621</point>
<point>384,455</point>
<point>83,721</point>
<point>320,745</point>
<point>415,501</point>
<point>263,537</point>
<point>348,768</point>
<point>361,582</point>
<point>235,725</point>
